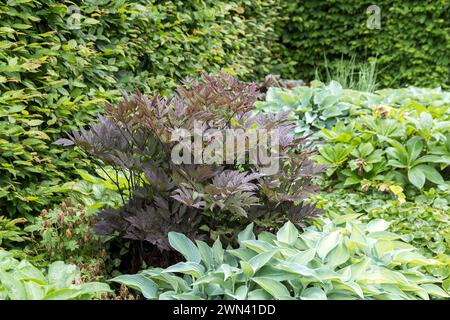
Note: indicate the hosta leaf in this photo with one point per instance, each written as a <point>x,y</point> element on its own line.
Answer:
<point>260,260</point>
<point>275,288</point>
<point>328,243</point>
<point>147,287</point>
<point>194,269</point>
<point>434,290</point>
<point>288,233</point>
<point>338,255</point>
<point>377,225</point>
<point>247,233</point>
<point>313,294</point>
<point>185,246</point>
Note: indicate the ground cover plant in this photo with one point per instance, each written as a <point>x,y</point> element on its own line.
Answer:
<point>343,259</point>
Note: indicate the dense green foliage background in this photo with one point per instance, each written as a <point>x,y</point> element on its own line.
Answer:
<point>411,46</point>
<point>61,61</point>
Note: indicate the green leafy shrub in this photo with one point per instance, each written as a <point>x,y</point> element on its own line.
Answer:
<point>61,60</point>
<point>409,146</point>
<point>20,280</point>
<point>136,139</point>
<point>410,46</point>
<point>11,232</point>
<point>343,259</point>
<point>424,222</point>
<point>65,233</point>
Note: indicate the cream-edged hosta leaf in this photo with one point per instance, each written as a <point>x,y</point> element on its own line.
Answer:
<point>303,257</point>
<point>377,225</point>
<point>258,245</point>
<point>328,243</point>
<point>339,255</point>
<point>412,258</point>
<point>434,290</point>
<point>259,294</point>
<point>288,233</point>
<point>275,288</point>
<point>260,260</point>
<point>297,269</point>
<point>349,286</point>
<point>313,294</point>
<point>191,268</point>
<point>247,233</point>
<point>247,269</point>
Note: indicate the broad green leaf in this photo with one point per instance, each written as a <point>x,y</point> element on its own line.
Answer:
<point>339,255</point>
<point>61,275</point>
<point>417,177</point>
<point>377,225</point>
<point>313,294</point>
<point>247,233</point>
<point>260,260</point>
<point>288,233</point>
<point>185,246</point>
<point>328,243</point>
<point>434,290</point>
<point>275,288</point>
<point>192,268</point>
<point>139,282</point>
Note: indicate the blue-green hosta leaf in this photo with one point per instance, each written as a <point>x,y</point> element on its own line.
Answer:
<point>258,245</point>
<point>139,282</point>
<point>303,257</point>
<point>313,294</point>
<point>185,246</point>
<point>297,269</point>
<point>206,253</point>
<point>191,268</point>
<point>288,233</point>
<point>247,269</point>
<point>339,255</point>
<point>413,258</point>
<point>377,225</point>
<point>247,233</point>
<point>34,290</point>
<point>434,290</point>
<point>243,253</point>
<point>218,252</point>
<point>94,288</point>
<point>259,294</point>
<point>275,288</point>
<point>328,243</point>
<point>260,260</point>
<point>349,286</point>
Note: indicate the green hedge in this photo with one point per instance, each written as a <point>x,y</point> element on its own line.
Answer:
<point>412,45</point>
<point>55,73</point>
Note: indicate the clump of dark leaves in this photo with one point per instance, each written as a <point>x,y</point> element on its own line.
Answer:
<point>206,199</point>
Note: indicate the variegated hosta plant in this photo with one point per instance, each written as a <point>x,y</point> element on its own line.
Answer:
<point>343,259</point>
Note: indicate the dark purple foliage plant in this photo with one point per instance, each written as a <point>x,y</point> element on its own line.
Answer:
<point>200,199</point>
